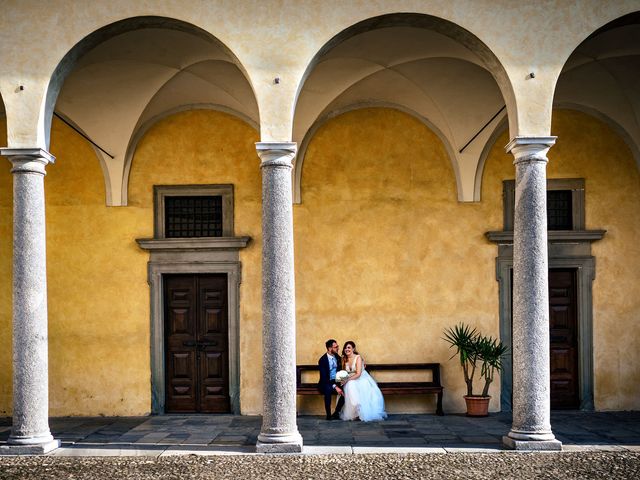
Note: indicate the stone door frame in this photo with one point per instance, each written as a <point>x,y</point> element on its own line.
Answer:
<point>193,256</point>
<point>569,249</point>
<point>585,274</point>
<point>156,284</point>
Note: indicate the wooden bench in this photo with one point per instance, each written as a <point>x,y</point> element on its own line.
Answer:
<point>387,388</point>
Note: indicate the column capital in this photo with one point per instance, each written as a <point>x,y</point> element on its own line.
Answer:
<point>28,160</point>
<point>530,149</point>
<point>276,154</point>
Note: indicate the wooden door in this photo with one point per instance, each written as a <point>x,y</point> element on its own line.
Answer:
<point>196,344</point>
<point>563,335</point>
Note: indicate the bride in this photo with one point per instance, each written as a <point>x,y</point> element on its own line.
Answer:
<point>362,396</point>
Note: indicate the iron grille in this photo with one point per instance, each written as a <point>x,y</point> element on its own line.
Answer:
<point>559,210</point>
<point>192,216</point>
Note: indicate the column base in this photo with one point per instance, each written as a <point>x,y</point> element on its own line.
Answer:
<point>279,443</point>
<point>552,445</point>
<point>29,449</point>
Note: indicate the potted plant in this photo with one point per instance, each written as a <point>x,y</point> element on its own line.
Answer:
<point>473,350</point>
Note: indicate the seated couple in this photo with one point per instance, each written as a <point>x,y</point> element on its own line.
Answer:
<point>358,394</point>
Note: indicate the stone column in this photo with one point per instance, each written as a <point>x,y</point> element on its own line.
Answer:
<point>531,429</point>
<point>30,431</point>
<point>279,429</point>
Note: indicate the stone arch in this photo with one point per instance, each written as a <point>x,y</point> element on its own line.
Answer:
<point>151,100</point>
<point>468,51</point>
<point>3,110</point>
<point>499,129</point>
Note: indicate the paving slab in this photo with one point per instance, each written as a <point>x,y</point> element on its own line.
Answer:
<point>327,450</point>
<point>209,450</point>
<point>579,431</point>
<point>401,450</point>
<point>473,449</point>
<point>105,451</point>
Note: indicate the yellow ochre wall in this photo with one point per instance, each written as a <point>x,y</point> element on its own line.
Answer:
<point>385,254</point>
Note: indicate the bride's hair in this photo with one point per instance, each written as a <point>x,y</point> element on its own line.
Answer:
<point>353,345</point>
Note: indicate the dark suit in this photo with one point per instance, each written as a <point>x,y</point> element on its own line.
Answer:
<point>325,385</point>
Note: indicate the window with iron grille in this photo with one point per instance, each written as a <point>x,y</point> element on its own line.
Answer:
<point>565,204</point>
<point>559,210</point>
<point>193,216</point>
<point>193,211</point>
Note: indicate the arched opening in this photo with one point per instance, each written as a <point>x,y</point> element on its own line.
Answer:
<point>417,63</point>
<point>175,92</point>
<point>392,118</point>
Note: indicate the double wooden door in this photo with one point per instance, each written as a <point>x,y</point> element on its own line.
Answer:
<point>563,336</point>
<point>196,344</point>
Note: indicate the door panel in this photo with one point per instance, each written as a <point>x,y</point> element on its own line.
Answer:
<point>213,338</point>
<point>563,336</point>
<point>196,345</point>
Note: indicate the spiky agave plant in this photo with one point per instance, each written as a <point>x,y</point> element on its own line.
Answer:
<point>490,352</point>
<point>464,339</point>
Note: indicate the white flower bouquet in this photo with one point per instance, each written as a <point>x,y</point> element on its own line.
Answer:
<point>341,376</point>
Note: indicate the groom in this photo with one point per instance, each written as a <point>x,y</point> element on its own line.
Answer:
<point>329,364</point>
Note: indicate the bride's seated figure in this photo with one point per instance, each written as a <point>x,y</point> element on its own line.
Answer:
<point>363,398</point>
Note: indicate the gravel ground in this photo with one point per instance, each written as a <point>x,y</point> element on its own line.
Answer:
<point>508,465</point>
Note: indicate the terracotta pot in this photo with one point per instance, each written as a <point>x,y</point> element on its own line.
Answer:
<point>477,406</point>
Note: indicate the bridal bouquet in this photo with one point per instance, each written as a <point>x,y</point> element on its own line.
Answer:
<point>341,376</point>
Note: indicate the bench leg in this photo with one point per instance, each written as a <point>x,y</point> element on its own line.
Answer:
<point>439,405</point>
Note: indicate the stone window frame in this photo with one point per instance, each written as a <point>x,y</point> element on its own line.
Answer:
<point>160,192</point>
<point>576,185</point>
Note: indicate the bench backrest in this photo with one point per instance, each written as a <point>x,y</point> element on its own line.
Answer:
<point>433,367</point>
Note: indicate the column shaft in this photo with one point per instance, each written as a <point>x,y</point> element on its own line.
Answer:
<point>279,431</point>
<point>30,429</point>
<point>531,427</point>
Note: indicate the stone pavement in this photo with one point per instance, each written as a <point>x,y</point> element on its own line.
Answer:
<point>227,434</point>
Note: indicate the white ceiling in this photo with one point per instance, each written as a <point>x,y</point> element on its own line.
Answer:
<point>603,76</point>
<point>127,82</point>
<point>131,78</point>
<point>417,69</point>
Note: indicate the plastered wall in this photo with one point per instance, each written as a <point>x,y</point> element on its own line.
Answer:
<point>385,255</point>
<point>99,334</point>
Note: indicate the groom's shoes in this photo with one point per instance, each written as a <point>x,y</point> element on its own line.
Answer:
<point>329,417</point>
<point>335,416</point>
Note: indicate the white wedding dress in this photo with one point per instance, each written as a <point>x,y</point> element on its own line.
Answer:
<point>362,397</point>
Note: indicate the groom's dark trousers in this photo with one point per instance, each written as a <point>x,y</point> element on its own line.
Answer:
<point>325,385</point>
